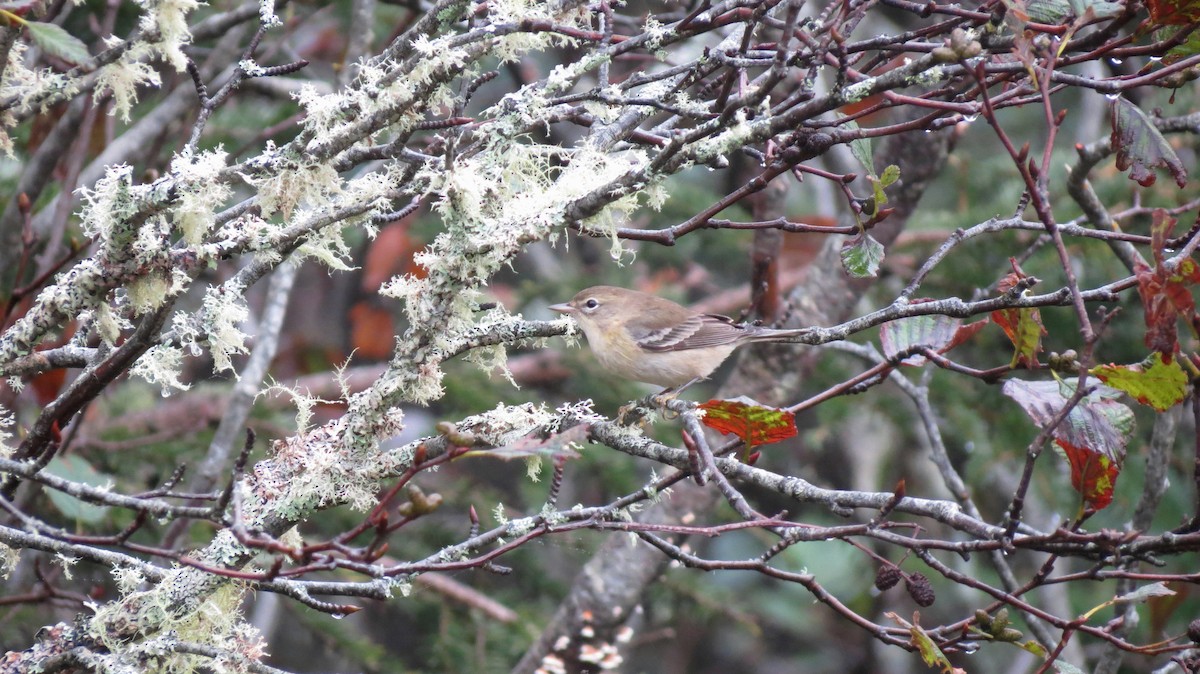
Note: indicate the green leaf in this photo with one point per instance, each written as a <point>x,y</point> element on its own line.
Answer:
<point>939,333</point>
<point>1066,668</point>
<point>890,175</point>
<point>861,149</point>
<point>861,256</point>
<point>1140,147</point>
<point>58,42</point>
<point>1036,648</point>
<point>77,469</point>
<point>1024,329</point>
<point>1048,11</point>
<point>1153,382</point>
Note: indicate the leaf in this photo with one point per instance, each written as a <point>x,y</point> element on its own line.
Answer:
<point>1093,475</point>
<point>889,176</point>
<point>919,638</point>
<point>861,256</point>
<point>77,469</point>
<point>1063,667</point>
<point>1174,12</point>
<point>56,41</point>
<point>861,149</point>
<point>1166,296</point>
<point>1190,47</point>
<point>755,424</point>
<point>1048,11</point>
<point>1141,595</point>
<point>19,7</point>
<point>1155,382</point>
<point>940,333</point>
<point>1025,330</point>
<point>1140,147</point>
<point>1146,593</point>
<point>1035,648</point>
<point>1100,8</point>
<point>1093,437</point>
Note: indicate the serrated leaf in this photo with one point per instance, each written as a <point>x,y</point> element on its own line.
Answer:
<point>755,424</point>
<point>1174,12</point>
<point>1190,47</point>
<point>940,333</point>
<point>1154,382</point>
<point>1093,475</point>
<point>1025,330</point>
<point>1048,11</point>
<point>56,41</point>
<point>1140,147</point>
<point>861,256</point>
<point>890,175</point>
<point>1166,295</point>
<point>77,469</point>
<point>1093,437</point>
<point>1100,8</point>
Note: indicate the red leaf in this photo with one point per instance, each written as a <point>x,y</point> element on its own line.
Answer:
<point>1094,434</point>
<point>1025,330</point>
<point>755,424</point>
<point>1093,475</point>
<point>1174,12</point>
<point>1166,296</point>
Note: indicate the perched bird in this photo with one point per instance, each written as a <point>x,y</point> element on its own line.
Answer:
<point>649,339</point>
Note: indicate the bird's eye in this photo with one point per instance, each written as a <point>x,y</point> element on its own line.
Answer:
<point>591,303</point>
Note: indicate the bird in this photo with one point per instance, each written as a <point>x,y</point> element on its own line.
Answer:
<point>649,339</point>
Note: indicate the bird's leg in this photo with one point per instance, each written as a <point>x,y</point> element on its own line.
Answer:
<point>663,399</point>
<point>633,412</point>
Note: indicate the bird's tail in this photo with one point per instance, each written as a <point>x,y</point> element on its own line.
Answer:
<point>794,336</point>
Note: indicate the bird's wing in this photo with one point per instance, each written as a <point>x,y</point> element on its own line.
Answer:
<point>697,332</point>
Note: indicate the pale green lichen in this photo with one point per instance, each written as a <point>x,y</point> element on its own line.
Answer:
<point>928,78</point>
<point>7,422</point>
<point>161,365</point>
<point>199,192</point>
<point>223,311</point>
<point>166,20</point>
<point>9,558</point>
<point>122,79</point>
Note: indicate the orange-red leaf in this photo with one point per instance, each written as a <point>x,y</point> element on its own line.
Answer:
<point>1093,435</point>
<point>1166,294</point>
<point>1025,330</point>
<point>1093,475</point>
<point>1174,12</point>
<point>755,424</point>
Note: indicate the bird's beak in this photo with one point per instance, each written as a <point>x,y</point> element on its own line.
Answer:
<point>562,308</point>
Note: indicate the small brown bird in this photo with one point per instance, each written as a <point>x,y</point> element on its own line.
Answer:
<point>648,339</point>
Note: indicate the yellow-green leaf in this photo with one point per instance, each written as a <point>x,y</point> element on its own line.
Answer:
<point>1153,382</point>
